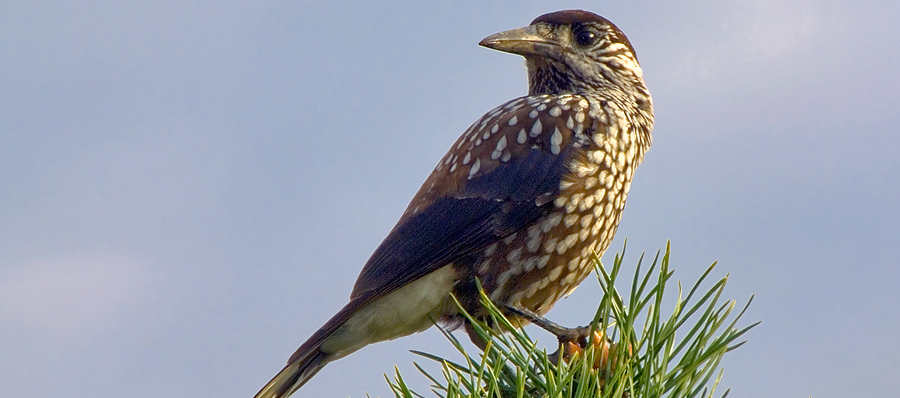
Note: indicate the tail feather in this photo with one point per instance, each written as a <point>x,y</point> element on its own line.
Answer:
<point>295,375</point>
<point>310,358</point>
<point>416,303</point>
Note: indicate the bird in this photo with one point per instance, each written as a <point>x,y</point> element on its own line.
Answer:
<point>518,205</point>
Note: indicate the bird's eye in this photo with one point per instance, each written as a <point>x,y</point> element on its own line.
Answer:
<point>585,37</point>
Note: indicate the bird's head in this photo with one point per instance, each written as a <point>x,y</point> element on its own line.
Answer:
<point>574,51</point>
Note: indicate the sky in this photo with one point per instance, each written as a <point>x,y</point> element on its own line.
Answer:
<point>188,189</point>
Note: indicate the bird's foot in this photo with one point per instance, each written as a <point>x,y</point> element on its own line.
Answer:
<point>605,352</point>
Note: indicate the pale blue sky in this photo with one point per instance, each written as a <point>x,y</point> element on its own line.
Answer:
<point>188,189</point>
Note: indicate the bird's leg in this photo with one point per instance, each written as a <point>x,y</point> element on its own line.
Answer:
<point>575,340</point>
<point>577,335</point>
<point>571,340</point>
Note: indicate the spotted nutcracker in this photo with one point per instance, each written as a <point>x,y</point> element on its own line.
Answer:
<point>520,202</point>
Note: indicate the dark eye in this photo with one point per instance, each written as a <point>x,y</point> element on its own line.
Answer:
<point>585,37</point>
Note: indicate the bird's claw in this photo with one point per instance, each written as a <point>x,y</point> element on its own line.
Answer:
<point>604,349</point>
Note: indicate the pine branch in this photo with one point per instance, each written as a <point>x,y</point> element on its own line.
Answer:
<point>637,350</point>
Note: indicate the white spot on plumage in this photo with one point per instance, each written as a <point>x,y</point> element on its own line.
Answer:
<point>543,283</point>
<point>514,104</point>
<point>498,151</point>
<point>555,141</point>
<point>607,179</point>
<point>513,121</point>
<point>529,264</point>
<point>550,245</point>
<point>573,265</point>
<point>462,141</point>
<point>536,128</point>
<point>502,279</point>
<point>587,202</point>
<point>575,199</point>
<point>474,168</point>
<point>571,207</point>
<point>566,243</point>
<point>485,266</point>
<point>570,278</point>
<point>514,256</point>
<point>467,158</point>
<point>583,234</point>
<point>509,239</point>
<point>555,111</point>
<point>560,201</point>
<point>596,228</point>
<point>554,274</point>
<point>579,117</point>
<point>523,136</point>
<point>506,156</point>
<point>489,251</point>
<point>542,262</point>
<point>495,129</point>
<point>610,195</point>
<point>598,197</point>
<point>551,221</point>
<point>584,169</point>
<point>531,290</point>
<point>534,238</point>
<point>586,220</point>
<point>533,114</point>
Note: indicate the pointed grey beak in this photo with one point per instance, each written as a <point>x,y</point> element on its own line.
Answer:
<point>523,41</point>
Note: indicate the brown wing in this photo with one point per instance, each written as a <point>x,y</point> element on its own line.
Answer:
<point>499,177</point>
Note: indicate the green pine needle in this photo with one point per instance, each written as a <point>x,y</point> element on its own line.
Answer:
<point>673,355</point>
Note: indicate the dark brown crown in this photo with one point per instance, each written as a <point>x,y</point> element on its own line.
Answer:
<point>567,17</point>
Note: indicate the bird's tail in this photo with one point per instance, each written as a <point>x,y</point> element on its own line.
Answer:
<point>310,358</point>
<point>298,371</point>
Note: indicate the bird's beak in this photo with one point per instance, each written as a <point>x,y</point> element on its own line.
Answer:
<point>523,41</point>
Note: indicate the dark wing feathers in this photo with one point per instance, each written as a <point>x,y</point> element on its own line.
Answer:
<point>446,230</point>
<point>459,211</point>
<point>522,179</point>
